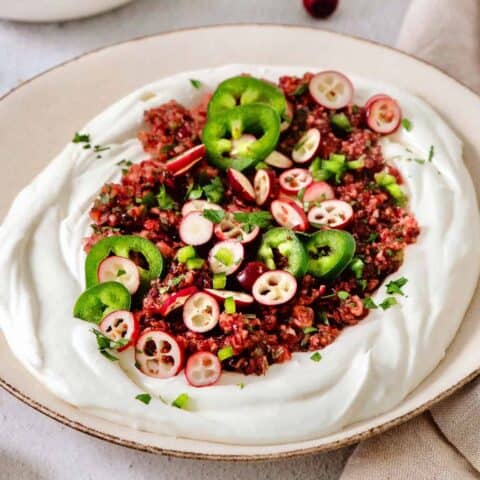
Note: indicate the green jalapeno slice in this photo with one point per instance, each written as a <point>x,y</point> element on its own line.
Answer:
<point>282,249</point>
<point>222,136</point>
<point>244,90</point>
<point>98,301</point>
<point>330,252</point>
<point>137,248</point>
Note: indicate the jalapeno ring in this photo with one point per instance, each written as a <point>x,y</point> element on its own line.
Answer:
<point>330,252</point>
<point>124,246</point>
<point>244,90</point>
<point>220,131</point>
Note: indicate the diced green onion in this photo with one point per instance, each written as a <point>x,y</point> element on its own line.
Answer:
<point>343,295</point>
<point>195,263</point>
<point>219,280</point>
<point>356,266</point>
<point>396,192</point>
<point>186,253</point>
<point>181,401</point>
<point>356,164</point>
<point>224,353</point>
<point>229,305</point>
<point>308,330</point>
<point>384,179</point>
<point>225,256</point>
<point>340,123</point>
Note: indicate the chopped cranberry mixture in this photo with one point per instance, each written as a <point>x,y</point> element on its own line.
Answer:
<point>258,335</point>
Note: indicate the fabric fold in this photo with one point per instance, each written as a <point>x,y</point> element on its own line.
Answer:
<point>444,443</point>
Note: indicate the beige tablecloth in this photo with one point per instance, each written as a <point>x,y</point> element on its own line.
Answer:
<point>443,444</point>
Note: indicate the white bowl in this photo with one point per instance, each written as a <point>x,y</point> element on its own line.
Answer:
<point>65,98</point>
<point>54,10</point>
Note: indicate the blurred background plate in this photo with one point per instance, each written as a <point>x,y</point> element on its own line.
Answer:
<point>54,10</point>
<point>40,117</point>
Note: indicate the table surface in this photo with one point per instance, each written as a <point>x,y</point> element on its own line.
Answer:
<point>33,446</point>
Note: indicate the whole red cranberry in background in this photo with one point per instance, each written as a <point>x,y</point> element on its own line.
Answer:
<point>320,8</point>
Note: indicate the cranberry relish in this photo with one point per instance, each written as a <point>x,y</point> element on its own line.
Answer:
<point>149,199</point>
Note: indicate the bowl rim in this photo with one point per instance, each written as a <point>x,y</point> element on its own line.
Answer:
<point>294,453</point>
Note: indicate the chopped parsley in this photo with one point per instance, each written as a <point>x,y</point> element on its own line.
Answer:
<point>194,192</point>
<point>250,220</point>
<point>81,138</point>
<point>125,163</point>
<point>300,90</point>
<point>164,200</point>
<point>144,398</point>
<point>407,124</point>
<point>196,83</point>
<point>224,353</point>
<point>395,286</point>
<point>431,153</point>
<point>343,295</point>
<point>99,148</point>
<point>214,190</point>
<point>369,303</point>
<point>181,401</point>
<point>316,357</point>
<point>308,330</point>
<point>105,344</point>
<point>214,215</point>
<point>388,302</point>
<point>373,237</point>
<point>241,385</point>
<point>173,282</point>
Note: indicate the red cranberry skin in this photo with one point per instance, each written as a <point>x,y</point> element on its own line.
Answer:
<point>247,276</point>
<point>320,8</point>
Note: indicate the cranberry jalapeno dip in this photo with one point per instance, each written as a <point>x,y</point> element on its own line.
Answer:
<point>260,225</point>
<point>209,244</point>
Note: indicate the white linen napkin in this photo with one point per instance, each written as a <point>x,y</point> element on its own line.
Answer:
<point>443,444</point>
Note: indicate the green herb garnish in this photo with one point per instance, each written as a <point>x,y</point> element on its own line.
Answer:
<point>300,90</point>
<point>105,344</point>
<point>250,220</point>
<point>369,303</point>
<point>214,215</point>
<point>431,153</point>
<point>173,282</point>
<point>395,286</point>
<point>388,302</point>
<point>308,330</point>
<point>214,190</point>
<point>316,357</point>
<point>407,124</point>
<point>194,192</point>
<point>164,200</point>
<point>196,83</point>
<point>144,398</point>
<point>81,138</point>
<point>121,272</point>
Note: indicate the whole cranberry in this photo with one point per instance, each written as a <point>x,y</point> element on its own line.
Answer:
<point>320,8</point>
<point>252,270</point>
